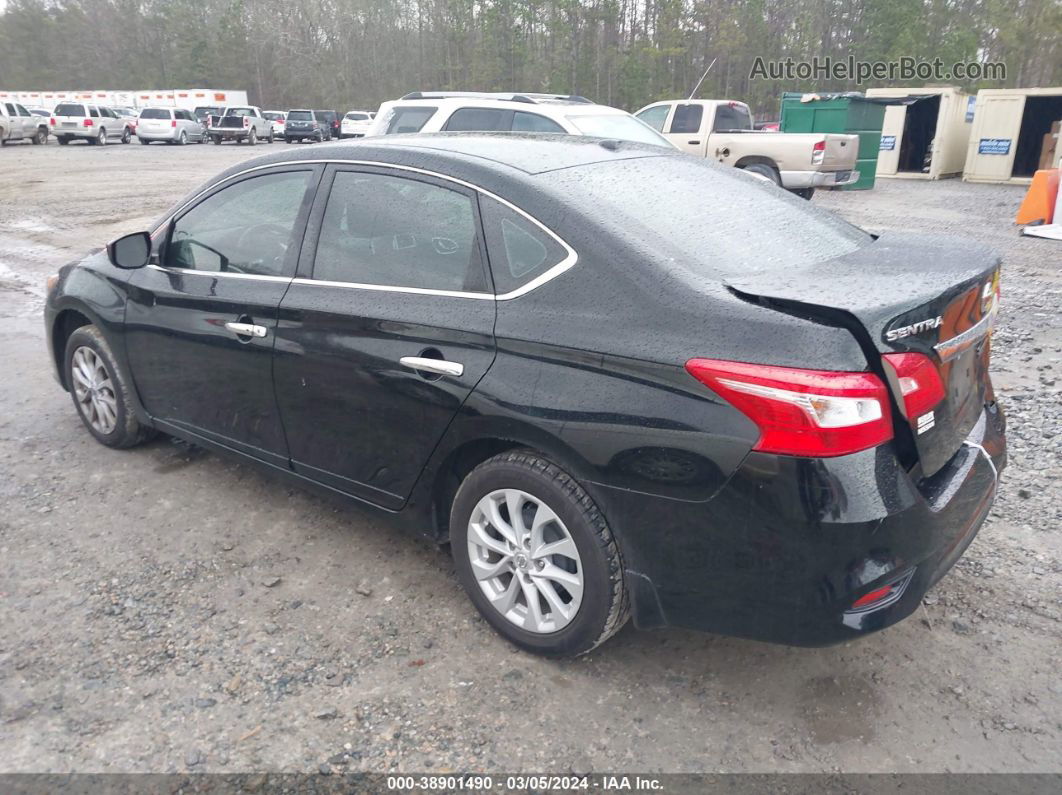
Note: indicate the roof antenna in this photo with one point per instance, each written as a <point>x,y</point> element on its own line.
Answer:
<point>706,71</point>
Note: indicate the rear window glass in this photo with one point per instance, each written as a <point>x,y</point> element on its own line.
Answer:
<point>532,122</point>
<point>299,115</point>
<point>732,117</point>
<point>356,116</point>
<point>240,112</point>
<point>69,109</point>
<point>480,119</point>
<point>272,115</point>
<point>154,113</point>
<point>409,120</point>
<point>615,125</point>
<point>710,220</point>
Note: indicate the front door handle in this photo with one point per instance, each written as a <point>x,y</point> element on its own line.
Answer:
<point>693,143</point>
<point>439,366</point>
<point>246,329</point>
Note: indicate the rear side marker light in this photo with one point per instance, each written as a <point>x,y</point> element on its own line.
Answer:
<point>813,413</point>
<point>920,384</point>
<point>881,597</point>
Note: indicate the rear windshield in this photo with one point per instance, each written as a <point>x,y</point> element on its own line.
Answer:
<point>356,116</point>
<point>709,219</point>
<point>207,111</point>
<point>613,125</point>
<point>155,113</point>
<point>240,112</point>
<point>299,115</point>
<point>324,115</point>
<point>69,109</point>
<point>272,115</point>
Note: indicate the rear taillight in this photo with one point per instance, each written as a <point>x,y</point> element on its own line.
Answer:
<point>818,152</point>
<point>920,385</point>
<point>87,122</point>
<point>802,412</point>
<point>173,123</point>
<point>51,121</point>
<point>246,122</point>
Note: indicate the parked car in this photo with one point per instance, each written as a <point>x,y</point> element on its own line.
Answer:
<point>207,114</point>
<point>329,120</point>
<point>278,118</point>
<point>722,130</point>
<point>131,115</point>
<point>172,125</point>
<point>40,112</point>
<point>18,124</point>
<point>741,415</point>
<point>244,123</point>
<point>302,125</point>
<point>424,112</point>
<point>94,124</point>
<point>355,123</point>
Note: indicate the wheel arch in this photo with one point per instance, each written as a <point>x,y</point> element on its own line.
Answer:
<point>66,323</point>
<point>749,160</point>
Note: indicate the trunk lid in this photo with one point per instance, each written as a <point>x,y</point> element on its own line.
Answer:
<point>905,293</point>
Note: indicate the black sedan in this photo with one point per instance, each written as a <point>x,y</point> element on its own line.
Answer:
<point>616,379</point>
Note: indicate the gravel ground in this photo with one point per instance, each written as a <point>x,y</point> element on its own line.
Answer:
<point>165,609</point>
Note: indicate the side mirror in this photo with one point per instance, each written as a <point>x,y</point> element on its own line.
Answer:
<point>130,252</point>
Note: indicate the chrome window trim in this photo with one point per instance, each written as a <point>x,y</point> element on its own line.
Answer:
<point>224,274</point>
<point>561,267</point>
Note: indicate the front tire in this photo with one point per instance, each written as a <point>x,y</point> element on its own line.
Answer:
<point>41,137</point>
<point>127,136</point>
<point>536,556</point>
<point>100,391</point>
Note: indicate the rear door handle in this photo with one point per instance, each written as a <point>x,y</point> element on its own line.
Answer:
<point>693,143</point>
<point>439,366</point>
<point>246,329</point>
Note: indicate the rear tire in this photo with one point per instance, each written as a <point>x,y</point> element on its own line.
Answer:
<point>287,140</point>
<point>182,139</point>
<point>144,141</point>
<point>101,139</point>
<point>804,193</point>
<point>62,140</point>
<point>252,137</point>
<point>101,393</point>
<point>41,137</point>
<point>586,556</point>
<point>764,170</point>
<point>216,139</point>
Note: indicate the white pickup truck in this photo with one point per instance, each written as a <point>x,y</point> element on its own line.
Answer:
<point>720,128</point>
<point>18,124</point>
<point>241,123</point>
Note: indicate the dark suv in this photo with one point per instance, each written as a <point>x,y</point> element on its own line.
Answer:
<point>329,121</point>
<point>302,125</point>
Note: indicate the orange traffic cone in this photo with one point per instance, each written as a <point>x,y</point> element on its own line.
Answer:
<point>1039,202</point>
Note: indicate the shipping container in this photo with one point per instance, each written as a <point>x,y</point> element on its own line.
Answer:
<point>1008,133</point>
<point>926,137</point>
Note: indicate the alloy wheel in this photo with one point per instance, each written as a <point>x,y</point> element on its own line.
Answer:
<point>94,390</point>
<point>525,561</point>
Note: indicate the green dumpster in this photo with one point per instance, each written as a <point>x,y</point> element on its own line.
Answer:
<point>850,113</point>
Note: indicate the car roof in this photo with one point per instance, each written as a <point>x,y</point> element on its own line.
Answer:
<point>505,102</point>
<point>470,156</point>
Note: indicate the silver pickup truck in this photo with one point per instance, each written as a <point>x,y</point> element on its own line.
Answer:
<point>18,124</point>
<point>722,129</point>
<point>241,123</point>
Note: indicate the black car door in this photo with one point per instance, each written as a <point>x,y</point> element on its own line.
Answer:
<point>200,320</point>
<point>385,332</point>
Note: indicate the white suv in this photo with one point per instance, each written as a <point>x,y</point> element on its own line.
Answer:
<point>423,112</point>
<point>94,123</point>
<point>355,123</point>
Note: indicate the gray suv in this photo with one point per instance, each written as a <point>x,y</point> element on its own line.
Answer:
<point>92,123</point>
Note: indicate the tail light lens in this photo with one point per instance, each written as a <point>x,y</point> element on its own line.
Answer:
<point>919,381</point>
<point>818,152</point>
<point>51,121</point>
<point>246,122</point>
<point>173,123</point>
<point>87,123</point>
<point>816,413</point>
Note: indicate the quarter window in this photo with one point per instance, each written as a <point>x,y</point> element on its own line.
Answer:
<point>398,232</point>
<point>655,117</point>
<point>409,120</point>
<point>245,228</point>
<point>731,117</point>
<point>519,249</point>
<point>687,118</point>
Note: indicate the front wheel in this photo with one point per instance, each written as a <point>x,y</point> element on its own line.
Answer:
<point>536,556</point>
<point>41,137</point>
<point>101,392</point>
<point>272,137</point>
<point>127,136</point>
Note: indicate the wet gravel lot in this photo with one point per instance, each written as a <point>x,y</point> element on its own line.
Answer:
<point>165,609</point>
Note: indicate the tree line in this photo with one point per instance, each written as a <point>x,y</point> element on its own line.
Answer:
<point>358,53</point>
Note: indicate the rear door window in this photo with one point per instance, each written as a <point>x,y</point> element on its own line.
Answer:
<point>409,119</point>
<point>687,119</point>
<point>731,117</point>
<point>479,119</point>
<point>154,113</point>
<point>518,248</point>
<point>69,109</point>
<point>393,231</point>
